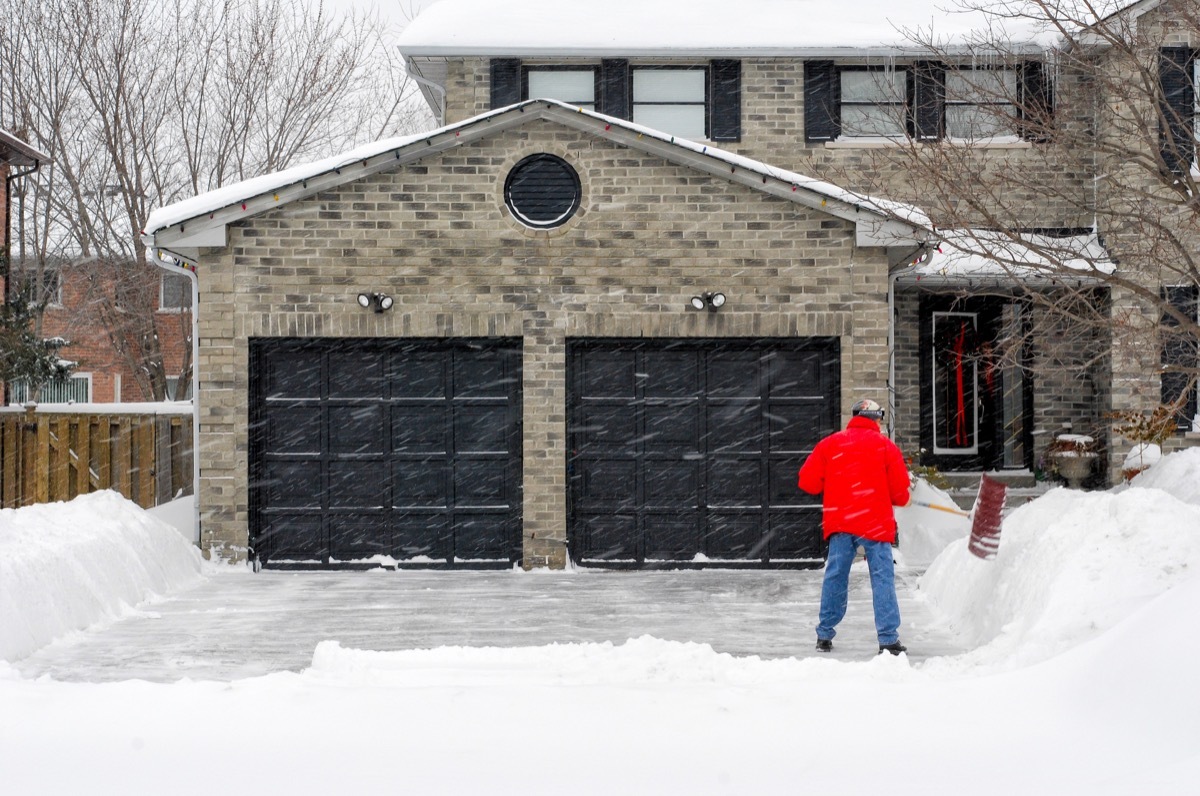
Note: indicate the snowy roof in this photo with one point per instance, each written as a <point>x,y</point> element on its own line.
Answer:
<point>972,255</point>
<point>708,27</point>
<point>200,221</point>
<point>15,151</point>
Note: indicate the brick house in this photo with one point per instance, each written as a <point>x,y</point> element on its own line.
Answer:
<point>606,326</point>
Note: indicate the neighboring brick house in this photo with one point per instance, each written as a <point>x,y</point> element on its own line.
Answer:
<point>609,326</point>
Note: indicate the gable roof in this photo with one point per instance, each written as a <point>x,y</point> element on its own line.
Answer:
<point>18,153</point>
<point>712,28</point>
<point>186,226</point>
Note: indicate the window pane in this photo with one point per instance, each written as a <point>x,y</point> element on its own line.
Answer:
<point>668,85</point>
<point>860,85</point>
<point>572,86</point>
<point>873,120</point>
<point>980,121</point>
<point>981,85</point>
<point>176,292</point>
<point>686,121</point>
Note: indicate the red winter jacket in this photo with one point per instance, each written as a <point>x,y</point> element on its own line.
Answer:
<point>863,475</point>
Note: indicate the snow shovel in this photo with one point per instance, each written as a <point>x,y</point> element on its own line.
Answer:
<point>985,527</point>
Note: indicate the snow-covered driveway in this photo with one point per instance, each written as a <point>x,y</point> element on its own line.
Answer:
<point>237,624</point>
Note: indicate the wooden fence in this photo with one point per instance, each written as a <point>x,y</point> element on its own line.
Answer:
<point>47,456</point>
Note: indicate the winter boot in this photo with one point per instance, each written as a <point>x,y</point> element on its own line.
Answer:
<point>895,648</point>
<point>824,645</point>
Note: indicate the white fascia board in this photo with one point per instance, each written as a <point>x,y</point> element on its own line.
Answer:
<point>914,51</point>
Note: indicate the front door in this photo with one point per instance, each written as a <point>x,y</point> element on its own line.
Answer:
<point>975,396</point>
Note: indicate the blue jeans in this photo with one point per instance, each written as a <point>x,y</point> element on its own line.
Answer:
<point>834,590</point>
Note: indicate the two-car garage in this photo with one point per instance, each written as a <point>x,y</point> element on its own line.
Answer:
<point>408,452</point>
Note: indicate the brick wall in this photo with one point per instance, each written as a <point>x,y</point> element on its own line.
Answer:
<point>436,236</point>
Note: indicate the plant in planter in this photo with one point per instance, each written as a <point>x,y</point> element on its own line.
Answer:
<point>1073,457</point>
<point>1147,431</point>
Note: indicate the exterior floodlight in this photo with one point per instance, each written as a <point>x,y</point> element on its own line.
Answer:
<point>713,301</point>
<point>716,300</point>
<point>697,303</point>
<point>379,302</point>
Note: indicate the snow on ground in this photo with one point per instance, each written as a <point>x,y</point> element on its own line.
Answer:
<point>1081,682</point>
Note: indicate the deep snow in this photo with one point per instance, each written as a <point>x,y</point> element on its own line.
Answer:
<point>1081,681</point>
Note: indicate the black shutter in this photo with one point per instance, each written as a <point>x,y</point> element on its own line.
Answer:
<point>1180,350</point>
<point>506,82</point>
<point>929,100</point>
<point>1037,102</point>
<point>725,100</point>
<point>822,101</point>
<point>614,88</point>
<point>1177,136</point>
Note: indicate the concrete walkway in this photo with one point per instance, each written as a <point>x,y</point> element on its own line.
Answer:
<point>239,624</point>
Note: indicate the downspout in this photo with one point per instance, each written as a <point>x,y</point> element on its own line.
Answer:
<point>922,255</point>
<point>171,265</point>
<point>7,252</point>
<point>439,90</point>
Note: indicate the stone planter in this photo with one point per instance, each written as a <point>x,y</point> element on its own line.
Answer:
<point>1075,466</point>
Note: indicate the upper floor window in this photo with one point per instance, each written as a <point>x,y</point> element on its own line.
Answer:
<point>1180,86</point>
<point>574,86</point>
<point>981,103</point>
<point>925,100</point>
<point>699,101</point>
<point>874,102</point>
<point>671,99</point>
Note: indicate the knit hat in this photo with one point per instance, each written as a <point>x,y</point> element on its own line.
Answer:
<point>867,408</point>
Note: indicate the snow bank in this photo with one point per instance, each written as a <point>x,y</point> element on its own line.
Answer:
<point>924,532</point>
<point>65,566</point>
<point>1071,565</point>
<point>1178,473</point>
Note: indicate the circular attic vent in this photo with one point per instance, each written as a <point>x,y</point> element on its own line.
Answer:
<point>542,191</point>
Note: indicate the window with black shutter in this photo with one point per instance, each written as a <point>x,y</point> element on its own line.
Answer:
<point>1177,133</point>
<point>506,82</point>
<point>1180,352</point>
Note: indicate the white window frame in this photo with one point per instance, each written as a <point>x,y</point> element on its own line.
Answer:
<point>949,102</point>
<point>578,102</point>
<point>899,106</point>
<point>172,383</point>
<point>702,103</point>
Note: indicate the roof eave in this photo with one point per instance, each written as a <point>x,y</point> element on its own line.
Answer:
<point>849,51</point>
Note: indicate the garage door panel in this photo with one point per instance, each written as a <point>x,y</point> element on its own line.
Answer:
<point>789,373</point>
<point>418,375</point>
<point>783,472</point>
<point>293,373</point>
<point>605,425</point>
<point>356,484</point>
<point>734,536</point>
<point>358,374</point>
<point>671,483</point>
<point>605,374</point>
<point>672,426</point>
<point>796,427</point>
<point>420,535</point>
<point>418,429</point>
<point>481,429</point>
<point>735,482</point>
<point>670,374</point>
<point>608,481</point>
<point>483,537</point>
<point>480,482</point>
<point>358,428</point>
<point>292,484</point>
<point>734,426</point>
<point>294,429</point>
<point>419,483</point>
<point>292,537</point>
<point>796,535</point>
<point>672,537</point>
<point>482,374</point>
<point>733,377</point>
<point>358,536</point>
<point>608,537</point>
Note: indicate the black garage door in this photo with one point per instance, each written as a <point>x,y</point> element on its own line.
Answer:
<point>685,452</point>
<point>366,451</point>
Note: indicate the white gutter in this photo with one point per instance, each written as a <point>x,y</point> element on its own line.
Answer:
<point>171,265</point>
<point>415,74</point>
